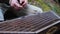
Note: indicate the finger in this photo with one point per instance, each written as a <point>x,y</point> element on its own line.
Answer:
<point>18,5</point>
<point>21,1</point>
<point>17,8</point>
<point>25,2</point>
<point>14,6</point>
<point>11,4</point>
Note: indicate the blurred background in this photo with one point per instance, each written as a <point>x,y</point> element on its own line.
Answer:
<point>47,5</point>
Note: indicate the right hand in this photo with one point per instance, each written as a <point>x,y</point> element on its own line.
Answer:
<point>17,5</point>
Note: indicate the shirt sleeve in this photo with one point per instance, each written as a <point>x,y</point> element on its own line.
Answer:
<point>4,1</point>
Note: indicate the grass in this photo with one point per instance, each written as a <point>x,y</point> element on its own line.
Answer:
<point>46,6</point>
<point>41,4</point>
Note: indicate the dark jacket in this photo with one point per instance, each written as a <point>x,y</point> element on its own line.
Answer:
<point>4,1</point>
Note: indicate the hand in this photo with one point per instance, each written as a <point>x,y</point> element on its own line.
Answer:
<point>16,4</point>
<point>23,2</point>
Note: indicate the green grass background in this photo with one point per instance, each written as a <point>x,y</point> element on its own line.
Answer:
<point>46,6</point>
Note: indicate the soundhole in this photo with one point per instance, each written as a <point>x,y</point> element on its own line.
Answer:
<point>9,14</point>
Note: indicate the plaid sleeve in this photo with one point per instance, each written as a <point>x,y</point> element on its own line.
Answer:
<point>4,1</point>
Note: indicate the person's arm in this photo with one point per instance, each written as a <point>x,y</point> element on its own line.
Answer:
<point>4,1</point>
